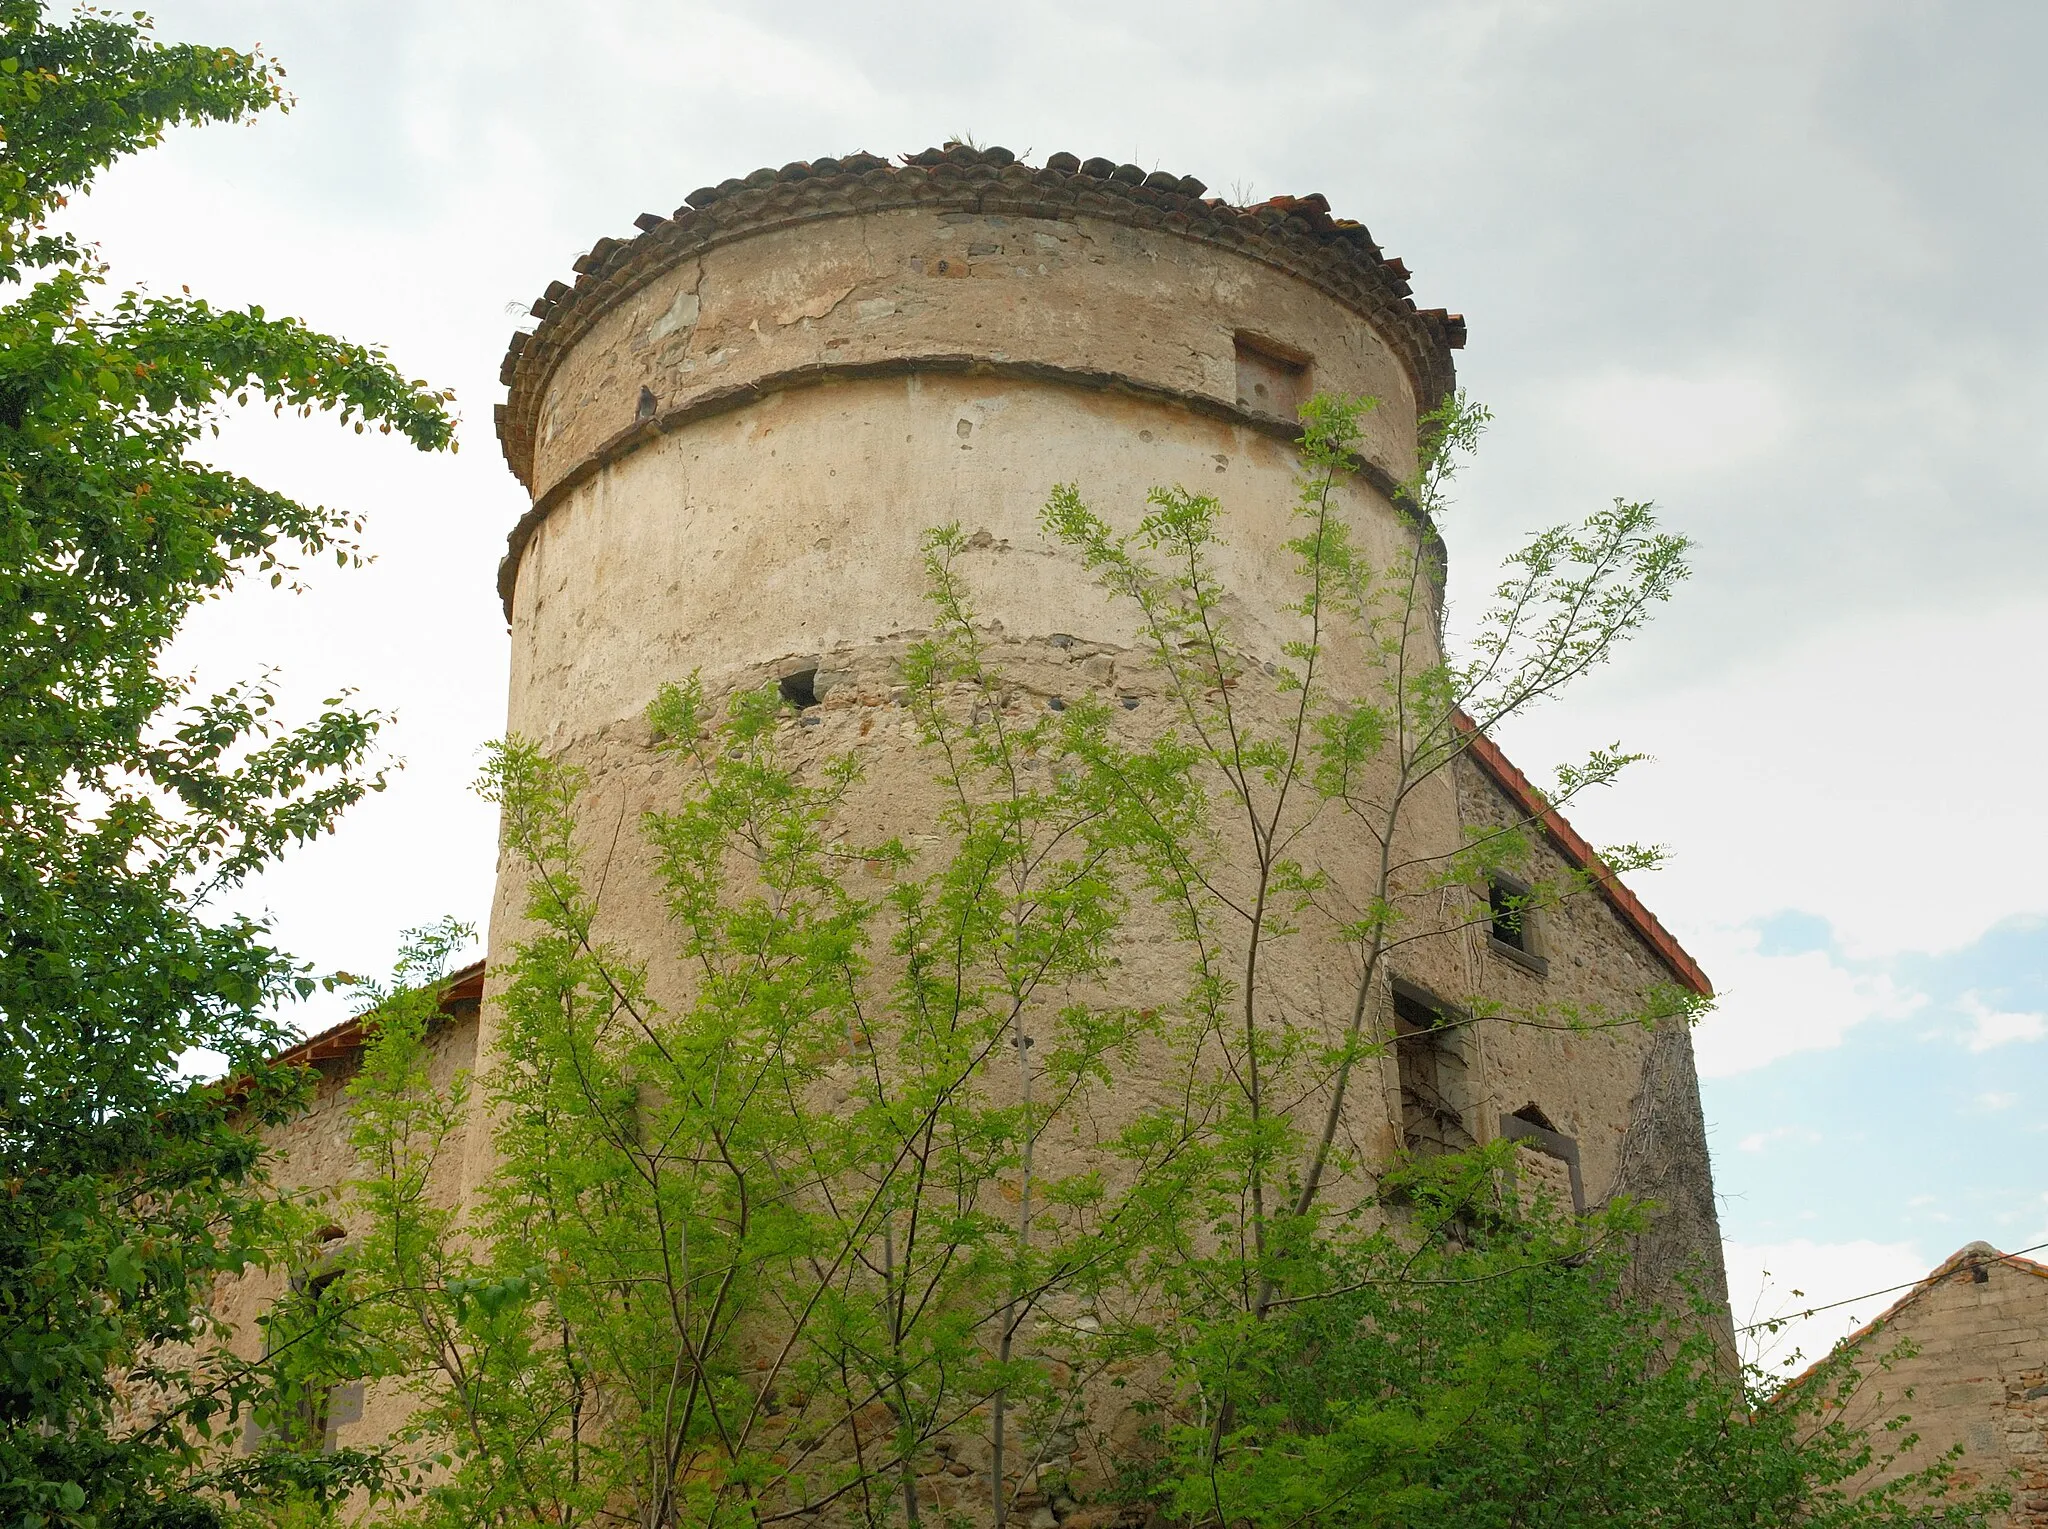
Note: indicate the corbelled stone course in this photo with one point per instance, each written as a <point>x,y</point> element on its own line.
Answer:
<point>1294,234</point>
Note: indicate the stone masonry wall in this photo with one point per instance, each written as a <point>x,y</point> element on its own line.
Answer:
<point>1629,1095</point>
<point>1977,1376</point>
<point>314,1156</point>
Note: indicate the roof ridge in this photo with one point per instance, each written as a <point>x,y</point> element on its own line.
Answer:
<point>460,985</point>
<point>1970,1253</point>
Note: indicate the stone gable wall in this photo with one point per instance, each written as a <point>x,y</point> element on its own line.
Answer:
<point>1977,1376</point>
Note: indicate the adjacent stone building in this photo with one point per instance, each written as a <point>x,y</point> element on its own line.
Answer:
<point>736,426</point>
<point>315,1154</point>
<point>1967,1352</point>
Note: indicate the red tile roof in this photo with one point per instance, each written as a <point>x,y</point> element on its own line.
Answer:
<point>346,1038</point>
<point>1487,755</point>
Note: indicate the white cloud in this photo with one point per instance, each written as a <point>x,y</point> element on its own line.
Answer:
<point>1777,1281</point>
<point>1997,1101</point>
<point>643,51</point>
<point>1826,777</point>
<point>1772,1006</point>
<point>1992,1027</point>
<point>1652,425</point>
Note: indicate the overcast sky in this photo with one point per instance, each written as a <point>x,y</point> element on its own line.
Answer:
<point>1777,266</point>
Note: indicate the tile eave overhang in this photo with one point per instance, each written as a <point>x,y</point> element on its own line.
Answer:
<point>1502,771</point>
<point>345,1039</point>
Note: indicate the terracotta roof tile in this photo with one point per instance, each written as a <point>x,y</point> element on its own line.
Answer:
<point>1487,755</point>
<point>463,986</point>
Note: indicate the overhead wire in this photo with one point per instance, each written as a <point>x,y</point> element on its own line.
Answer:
<point>1795,1316</point>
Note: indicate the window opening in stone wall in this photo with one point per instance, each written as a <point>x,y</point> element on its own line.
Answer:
<point>321,1404</point>
<point>1511,925</point>
<point>1431,1066</point>
<point>1271,379</point>
<point>1532,1127</point>
<point>1504,901</point>
<point>311,1423</point>
<point>800,689</point>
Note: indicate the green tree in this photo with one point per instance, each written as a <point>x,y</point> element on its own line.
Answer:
<point>1290,799</point>
<point>128,803</point>
<point>1489,1367</point>
<point>768,1250</point>
<point>827,1220</point>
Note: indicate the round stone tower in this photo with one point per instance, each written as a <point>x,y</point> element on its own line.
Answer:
<point>736,426</point>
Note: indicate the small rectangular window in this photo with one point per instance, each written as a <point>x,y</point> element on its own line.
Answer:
<point>1432,1074</point>
<point>1507,914</point>
<point>316,1405</point>
<point>312,1426</point>
<point>1512,930</point>
<point>1271,378</point>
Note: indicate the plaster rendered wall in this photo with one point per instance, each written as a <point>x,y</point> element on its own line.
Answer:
<point>1086,294</point>
<point>785,531</point>
<point>790,529</point>
<point>1978,1376</point>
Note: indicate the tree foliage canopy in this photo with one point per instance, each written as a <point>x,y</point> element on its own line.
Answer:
<point>888,1190</point>
<point>1491,1367</point>
<point>127,801</point>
